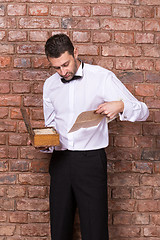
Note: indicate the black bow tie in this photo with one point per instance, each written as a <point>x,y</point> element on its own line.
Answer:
<point>74,78</point>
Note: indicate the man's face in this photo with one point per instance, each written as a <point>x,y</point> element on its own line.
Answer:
<point>66,65</point>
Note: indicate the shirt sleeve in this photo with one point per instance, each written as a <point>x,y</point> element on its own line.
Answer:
<point>134,110</point>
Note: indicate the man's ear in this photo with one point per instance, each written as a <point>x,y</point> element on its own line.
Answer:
<point>76,53</point>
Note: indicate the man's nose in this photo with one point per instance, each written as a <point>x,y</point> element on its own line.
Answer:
<point>63,71</point>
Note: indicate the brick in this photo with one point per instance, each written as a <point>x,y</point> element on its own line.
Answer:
<point>33,101</point>
<point>121,37</point>
<point>9,100</point>
<point>122,205</point>
<point>153,77</point>
<point>157,38</point>
<point>144,141</point>
<point>81,11</point>
<point>143,193</point>
<point>122,166</point>
<point>147,206</point>
<point>32,204</point>
<point>124,63</point>
<point>3,166</point>
<point>12,75</point>
<point>121,50</point>
<point>122,11</point>
<point>121,24</point>
<point>18,217</point>
<point>5,61</point>
<point>3,216</point>
<point>3,139</point>
<point>37,192</point>
<point>157,167</point>
<point>151,51</point>
<point>19,166</point>
<point>38,10</point>
<point>158,142</point>
<point>79,36</point>
<point>144,64</point>
<point>150,180</point>
<point>131,77</point>
<point>16,191</point>
<point>37,217</point>
<point>4,87</point>
<point>38,88</point>
<point>157,117</point>
<point>6,48</point>
<point>120,154</point>
<point>89,50</point>
<point>34,179</point>
<point>12,152</point>
<point>101,37</point>
<point>89,23</point>
<point>59,10</point>
<point>158,12</point>
<point>7,230</point>
<point>21,87</point>
<point>2,35</point>
<point>102,10</point>
<point>38,36</point>
<point>141,219</point>
<point>22,63</point>
<point>124,179</point>
<point>11,23</point>
<point>16,9</point>
<point>155,218</point>
<point>123,141</point>
<point>35,75</point>
<point>152,231</point>
<point>104,62</point>
<point>127,127</point>
<point>150,2</point>
<point>144,12</point>
<point>142,167</point>
<point>17,36</point>
<point>122,218</point>
<point>37,114</point>
<point>150,154</point>
<point>30,48</point>
<point>39,166</point>
<point>2,10</point>
<point>7,204</point>
<point>40,229</point>
<point>152,103</point>
<point>7,126</point>
<point>121,193</point>
<point>144,38</point>
<point>3,152</point>
<point>157,67</point>
<point>38,23</point>
<point>3,23</point>
<point>152,25</point>
<point>145,89</point>
<point>6,178</point>
<point>15,113</point>
<point>40,62</point>
<point>125,231</point>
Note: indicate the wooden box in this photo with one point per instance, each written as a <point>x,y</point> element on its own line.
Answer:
<point>40,137</point>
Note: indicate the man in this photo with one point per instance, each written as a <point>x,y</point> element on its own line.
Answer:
<point>78,167</point>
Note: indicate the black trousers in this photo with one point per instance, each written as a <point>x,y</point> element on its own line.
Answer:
<point>79,179</point>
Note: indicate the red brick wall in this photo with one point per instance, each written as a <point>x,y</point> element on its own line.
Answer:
<point>121,35</point>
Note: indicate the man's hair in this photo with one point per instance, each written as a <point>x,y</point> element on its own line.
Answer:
<point>57,45</point>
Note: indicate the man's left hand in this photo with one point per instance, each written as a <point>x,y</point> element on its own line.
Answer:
<point>110,109</point>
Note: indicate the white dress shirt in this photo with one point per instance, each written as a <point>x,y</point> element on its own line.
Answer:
<point>63,102</point>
